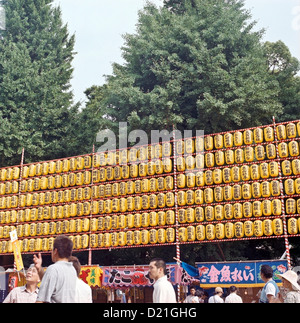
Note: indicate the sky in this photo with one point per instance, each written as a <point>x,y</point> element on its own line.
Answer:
<point>98,26</point>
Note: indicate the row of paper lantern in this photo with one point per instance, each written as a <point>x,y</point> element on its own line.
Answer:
<point>131,203</point>
<point>43,244</point>
<point>209,177</point>
<point>185,215</point>
<point>200,232</point>
<point>249,137</point>
<point>148,202</point>
<point>148,219</point>
<point>112,189</point>
<point>115,222</point>
<point>189,197</point>
<point>154,168</point>
<point>145,202</point>
<point>161,218</point>
<point>46,228</point>
<point>239,156</point>
<point>231,230</point>
<point>209,232</point>
<point>143,169</point>
<point>185,197</point>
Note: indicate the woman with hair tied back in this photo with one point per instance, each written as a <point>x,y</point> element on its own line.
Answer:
<point>83,290</point>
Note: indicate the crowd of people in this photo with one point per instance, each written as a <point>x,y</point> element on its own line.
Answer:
<point>60,283</point>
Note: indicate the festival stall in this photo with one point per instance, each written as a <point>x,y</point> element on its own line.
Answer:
<point>133,283</point>
<point>245,275</point>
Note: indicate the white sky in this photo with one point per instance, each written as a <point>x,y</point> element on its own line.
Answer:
<point>99,25</point>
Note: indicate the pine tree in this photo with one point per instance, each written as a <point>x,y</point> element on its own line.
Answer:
<point>36,52</point>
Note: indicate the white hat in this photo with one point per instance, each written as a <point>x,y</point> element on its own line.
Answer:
<point>218,290</point>
<point>291,277</point>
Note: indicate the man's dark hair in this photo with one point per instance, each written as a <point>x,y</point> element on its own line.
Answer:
<point>64,246</point>
<point>267,271</point>
<point>232,289</point>
<point>160,263</point>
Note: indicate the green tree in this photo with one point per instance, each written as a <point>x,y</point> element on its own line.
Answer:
<point>36,52</point>
<point>197,64</point>
<point>283,67</point>
<point>87,122</point>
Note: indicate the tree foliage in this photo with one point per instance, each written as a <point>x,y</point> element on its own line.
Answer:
<point>197,64</point>
<point>36,52</point>
<point>283,67</point>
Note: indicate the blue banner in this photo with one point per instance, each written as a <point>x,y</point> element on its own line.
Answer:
<point>240,274</point>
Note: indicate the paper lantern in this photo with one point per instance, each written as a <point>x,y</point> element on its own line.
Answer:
<point>219,212</point>
<point>293,148</point>
<point>276,207</point>
<point>292,226</point>
<point>277,227</point>
<point>200,232</point>
<point>258,228</point>
<point>153,236</point>
<point>182,232</point>
<point>161,235</point>
<point>220,231</point>
<point>248,228</point>
<point>267,227</point>
<point>191,233</point>
<point>218,140</point>
<point>228,140</point>
<point>209,213</point>
<point>210,232</point>
<point>199,214</point>
<point>228,211</point>
<point>286,168</point>
<point>239,229</point>
<point>170,235</point>
<point>219,158</point>
<point>269,134</point>
<point>281,132</point>
<point>271,151</point>
<point>290,206</point>
<point>283,150</point>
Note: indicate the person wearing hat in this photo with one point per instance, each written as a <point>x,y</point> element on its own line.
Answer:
<point>289,281</point>
<point>216,298</point>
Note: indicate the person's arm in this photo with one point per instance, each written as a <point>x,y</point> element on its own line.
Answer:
<point>37,260</point>
<point>271,292</point>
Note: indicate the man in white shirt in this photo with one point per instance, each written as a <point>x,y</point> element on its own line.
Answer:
<point>163,289</point>
<point>59,280</point>
<point>192,298</point>
<point>233,297</point>
<point>216,298</point>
